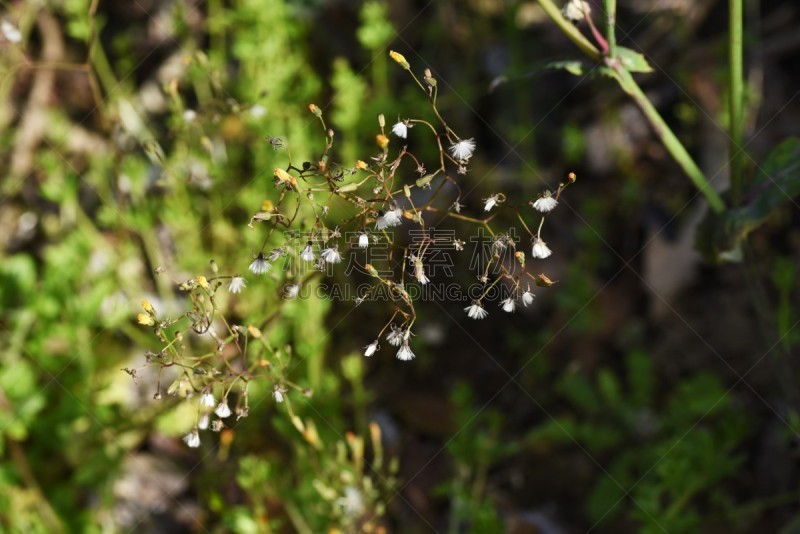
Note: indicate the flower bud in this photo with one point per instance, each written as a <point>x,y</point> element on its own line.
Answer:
<point>315,110</point>
<point>382,140</point>
<point>381,121</point>
<point>399,59</point>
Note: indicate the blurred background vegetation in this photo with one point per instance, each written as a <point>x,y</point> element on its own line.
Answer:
<point>649,390</point>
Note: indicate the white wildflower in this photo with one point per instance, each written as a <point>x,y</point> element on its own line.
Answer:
<point>393,217</point>
<point>237,284</point>
<point>492,201</point>
<point>189,115</point>
<point>192,439</point>
<point>395,337</point>
<point>331,254</point>
<point>462,150</point>
<point>307,253</point>
<point>207,399</point>
<point>203,422</point>
<point>545,203</point>
<point>527,298</point>
<point>476,311</point>
<point>405,354</point>
<point>508,305</point>
<point>260,265</point>
<point>291,291</point>
<point>540,248</point>
<point>370,349</point>
<point>401,129</point>
<point>419,272</point>
<point>10,32</point>
<point>277,393</point>
<point>223,410</point>
<point>363,240</point>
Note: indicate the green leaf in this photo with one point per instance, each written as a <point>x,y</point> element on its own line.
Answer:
<point>776,183</point>
<point>633,61</point>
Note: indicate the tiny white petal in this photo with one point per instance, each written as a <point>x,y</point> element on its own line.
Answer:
<point>508,305</point>
<point>291,290</point>
<point>192,439</point>
<point>540,249</point>
<point>223,410</point>
<point>260,265</point>
<point>489,203</point>
<point>237,284</point>
<point>331,254</point>
<point>405,354</point>
<point>308,253</point>
<point>545,204</point>
<point>205,419</point>
<point>462,150</point>
<point>370,349</point>
<point>10,32</point>
<point>400,129</point>
<point>363,240</point>
<point>395,337</point>
<point>527,298</point>
<point>476,311</point>
<point>207,400</point>
<point>277,393</point>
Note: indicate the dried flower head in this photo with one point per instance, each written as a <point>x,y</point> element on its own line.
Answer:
<point>462,150</point>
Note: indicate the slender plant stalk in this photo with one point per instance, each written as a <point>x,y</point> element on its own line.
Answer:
<point>735,50</point>
<point>611,24</point>
<point>629,85</point>
<point>670,141</point>
<point>570,30</point>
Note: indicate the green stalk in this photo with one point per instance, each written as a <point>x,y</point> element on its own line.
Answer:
<point>629,85</point>
<point>611,22</point>
<point>736,99</point>
<point>570,30</point>
<point>670,141</point>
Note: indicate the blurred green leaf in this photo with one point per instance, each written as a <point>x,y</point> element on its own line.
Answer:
<point>775,184</point>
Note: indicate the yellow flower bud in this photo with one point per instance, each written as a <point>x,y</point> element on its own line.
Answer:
<point>146,306</point>
<point>145,319</point>
<point>382,141</point>
<point>399,59</point>
<point>202,282</point>
<point>361,165</point>
<point>315,110</point>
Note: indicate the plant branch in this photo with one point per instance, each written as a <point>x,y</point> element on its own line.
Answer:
<point>736,99</point>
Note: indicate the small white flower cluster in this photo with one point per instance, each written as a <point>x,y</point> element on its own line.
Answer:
<point>397,337</point>
<point>207,405</point>
<point>477,311</point>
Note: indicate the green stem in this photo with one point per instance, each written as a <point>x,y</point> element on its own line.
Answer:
<point>611,22</point>
<point>736,99</point>
<point>629,85</point>
<point>570,30</point>
<point>670,141</point>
